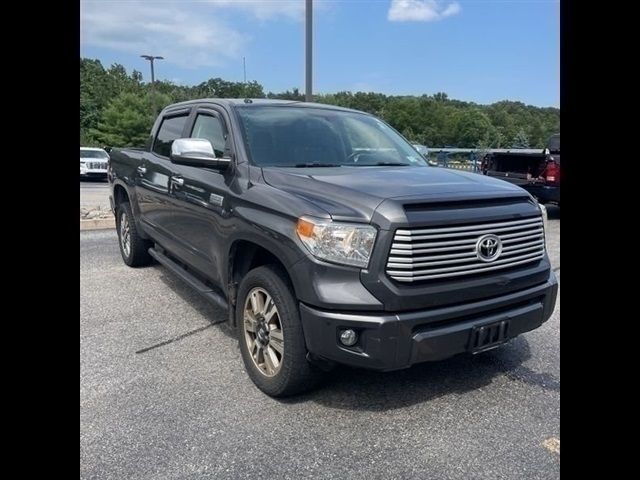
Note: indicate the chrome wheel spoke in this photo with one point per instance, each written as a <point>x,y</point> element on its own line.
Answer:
<point>270,310</point>
<point>263,331</point>
<point>276,341</point>
<point>270,365</point>
<point>125,239</point>
<point>266,302</point>
<point>250,322</point>
<point>256,302</point>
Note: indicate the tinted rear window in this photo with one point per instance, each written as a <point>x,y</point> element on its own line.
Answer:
<point>170,130</point>
<point>554,143</point>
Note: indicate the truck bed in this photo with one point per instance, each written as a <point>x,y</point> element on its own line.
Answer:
<point>517,168</point>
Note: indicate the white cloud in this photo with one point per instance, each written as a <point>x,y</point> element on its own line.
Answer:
<point>189,34</point>
<point>452,9</point>
<point>421,10</point>
<point>265,9</point>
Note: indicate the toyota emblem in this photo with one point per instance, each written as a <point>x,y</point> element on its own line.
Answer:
<point>488,248</point>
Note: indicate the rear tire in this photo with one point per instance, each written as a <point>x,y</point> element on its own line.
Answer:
<point>133,248</point>
<point>270,334</point>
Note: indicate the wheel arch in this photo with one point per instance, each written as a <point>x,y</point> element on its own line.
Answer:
<point>245,255</point>
<point>123,192</point>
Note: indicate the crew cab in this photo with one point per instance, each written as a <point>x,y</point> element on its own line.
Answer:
<point>329,239</point>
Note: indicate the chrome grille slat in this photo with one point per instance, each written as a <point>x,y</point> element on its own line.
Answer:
<point>465,233</point>
<point>422,247</point>
<point>520,239</point>
<point>469,260</point>
<point>463,267</point>
<point>457,274</point>
<point>529,244</point>
<point>451,251</point>
<point>432,257</point>
<point>539,231</point>
<point>469,251</point>
<point>470,241</point>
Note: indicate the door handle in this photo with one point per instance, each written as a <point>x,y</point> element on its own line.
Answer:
<point>178,181</point>
<point>142,170</point>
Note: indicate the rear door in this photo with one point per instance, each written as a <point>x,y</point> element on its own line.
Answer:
<point>154,175</point>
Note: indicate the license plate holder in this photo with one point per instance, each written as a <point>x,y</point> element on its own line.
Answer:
<point>488,336</point>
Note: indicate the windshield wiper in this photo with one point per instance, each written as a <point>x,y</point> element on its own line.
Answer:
<point>315,164</point>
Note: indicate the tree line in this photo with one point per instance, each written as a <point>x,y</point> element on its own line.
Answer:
<point>116,110</point>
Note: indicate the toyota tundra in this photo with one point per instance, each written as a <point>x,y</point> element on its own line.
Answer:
<point>329,239</point>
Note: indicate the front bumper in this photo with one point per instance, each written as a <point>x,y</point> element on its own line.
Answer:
<point>388,341</point>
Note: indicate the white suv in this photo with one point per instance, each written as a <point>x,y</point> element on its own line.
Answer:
<point>93,162</point>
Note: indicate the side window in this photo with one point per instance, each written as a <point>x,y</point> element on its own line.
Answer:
<point>170,129</point>
<point>210,128</point>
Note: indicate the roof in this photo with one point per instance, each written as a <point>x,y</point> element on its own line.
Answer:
<point>93,148</point>
<point>242,102</point>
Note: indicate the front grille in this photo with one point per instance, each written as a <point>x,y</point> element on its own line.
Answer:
<point>428,253</point>
<point>97,165</point>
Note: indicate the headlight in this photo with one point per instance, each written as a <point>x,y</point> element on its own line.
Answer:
<point>543,210</point>
<point>345,243</point>
<point>545,224</point>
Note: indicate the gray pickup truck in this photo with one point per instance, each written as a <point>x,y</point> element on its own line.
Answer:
<point>329,239</point>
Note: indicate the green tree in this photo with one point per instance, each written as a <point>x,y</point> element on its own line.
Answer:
<point>127,120</point>
<point>521,140</point>
<point>408,134</point>
<point>433,120</point>
<point>473,127</point>
<point>287,95</point>
<point>98,86</point>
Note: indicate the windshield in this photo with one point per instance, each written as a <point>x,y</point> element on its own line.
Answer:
<point>93,154</point>
<point>289,136</point>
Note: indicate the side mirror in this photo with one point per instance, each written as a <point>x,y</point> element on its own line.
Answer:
<point>197,152</point>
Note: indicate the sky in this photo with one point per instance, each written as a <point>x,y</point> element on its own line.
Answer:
<point>476,50</point>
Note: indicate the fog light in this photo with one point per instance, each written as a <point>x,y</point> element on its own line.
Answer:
<point>348,337</point>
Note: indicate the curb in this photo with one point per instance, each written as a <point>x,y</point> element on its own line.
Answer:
<point>98,224</point>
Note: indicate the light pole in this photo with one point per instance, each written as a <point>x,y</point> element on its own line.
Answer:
<point>308,96</point>
<point>151,58</point>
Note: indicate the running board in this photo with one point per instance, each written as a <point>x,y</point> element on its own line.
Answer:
<point>192,281</point>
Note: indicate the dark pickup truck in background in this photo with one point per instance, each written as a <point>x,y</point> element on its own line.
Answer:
<point>538,173</point>
<point>329,239</point>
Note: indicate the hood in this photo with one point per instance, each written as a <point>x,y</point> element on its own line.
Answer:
<point>354,193</point>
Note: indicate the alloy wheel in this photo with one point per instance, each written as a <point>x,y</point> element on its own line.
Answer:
<point>263,331</point>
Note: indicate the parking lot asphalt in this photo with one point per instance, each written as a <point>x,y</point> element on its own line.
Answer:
<point>164,395</point>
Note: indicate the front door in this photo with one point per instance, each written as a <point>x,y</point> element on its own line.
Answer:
<point>201,196</point>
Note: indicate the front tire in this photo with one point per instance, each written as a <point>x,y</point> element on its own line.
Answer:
<point>133,248</point>
<point>270,334</point>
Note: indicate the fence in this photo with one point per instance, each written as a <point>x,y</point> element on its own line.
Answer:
<point>469,167</point>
